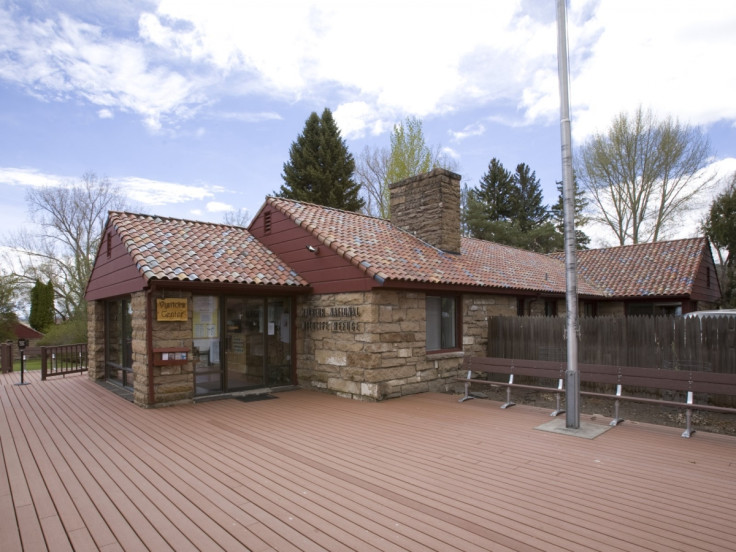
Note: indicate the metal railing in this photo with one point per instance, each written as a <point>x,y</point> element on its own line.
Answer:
<point>60,360</point>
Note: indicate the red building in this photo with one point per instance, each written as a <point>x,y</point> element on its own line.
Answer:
<point>338,301</point>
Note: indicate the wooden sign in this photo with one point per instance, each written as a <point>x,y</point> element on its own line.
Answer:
<point>171,310</point>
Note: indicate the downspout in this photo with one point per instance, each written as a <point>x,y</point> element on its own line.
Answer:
<point>149,345</point>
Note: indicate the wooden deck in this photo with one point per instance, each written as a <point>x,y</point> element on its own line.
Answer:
<point>82,469</point>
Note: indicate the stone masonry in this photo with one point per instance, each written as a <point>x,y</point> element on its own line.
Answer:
<point>372,345</point>
<point>428,206</point>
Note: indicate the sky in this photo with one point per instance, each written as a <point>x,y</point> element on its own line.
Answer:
<point>190,107</point>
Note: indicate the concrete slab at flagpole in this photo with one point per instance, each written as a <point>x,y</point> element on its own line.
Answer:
<point>585,431</point>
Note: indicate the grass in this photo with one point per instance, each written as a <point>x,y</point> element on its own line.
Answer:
<point>30,364</point>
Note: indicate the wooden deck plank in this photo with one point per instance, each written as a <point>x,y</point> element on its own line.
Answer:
<point>271,462</point>
<point>198,478</point>
<point>465,487</point>
<point>76,510</point>
<point>309,471</point>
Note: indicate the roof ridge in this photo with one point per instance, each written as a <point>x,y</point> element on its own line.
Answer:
<point>297,201</point>
<point>177,219</point>
<point>643,244</point>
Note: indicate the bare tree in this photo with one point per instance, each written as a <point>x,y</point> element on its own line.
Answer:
<point>643,173</point>
<point>236,217</point>
<point>408,156</point>
<point>62,244</point>
<point>370,172</point>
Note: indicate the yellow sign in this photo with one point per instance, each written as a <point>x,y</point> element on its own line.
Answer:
<point>171,310</point>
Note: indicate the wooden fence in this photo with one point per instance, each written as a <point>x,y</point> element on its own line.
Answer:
<point>674,343</point>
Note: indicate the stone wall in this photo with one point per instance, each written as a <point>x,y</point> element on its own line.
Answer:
<point>171,384</point>
<point>96,339</point>
<point>611,308</point>
<point>476,311</point>
<point>372,345</point>
<point>428,206</point>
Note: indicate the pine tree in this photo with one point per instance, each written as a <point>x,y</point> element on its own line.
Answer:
<point>497,192</point>
<point>41,316</point>
<point>507,209</point>
<point>34,316</point>
<point>529,211</point>
<point>320,167</point>
<point>582,240</point>
<point>47,312</point>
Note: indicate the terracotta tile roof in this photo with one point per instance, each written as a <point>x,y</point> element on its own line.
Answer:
<point>661,268</point>
<point>385,252</point>
<point>175,249</point>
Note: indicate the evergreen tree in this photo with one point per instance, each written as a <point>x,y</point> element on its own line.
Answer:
<point>507,209</point>
<point>320,167</point>
<point>528,210</point>
<point>582,240</point>
<point>720,227</point>
<point>33,317</point>
<point>48,312</point>
<point>497,192</point>
<point>41,316</point>
<point>8,295</point>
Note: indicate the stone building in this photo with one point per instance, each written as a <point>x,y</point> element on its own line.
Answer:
<point>342,302</point>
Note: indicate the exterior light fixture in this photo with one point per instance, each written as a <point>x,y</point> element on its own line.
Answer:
<point>313,249</point>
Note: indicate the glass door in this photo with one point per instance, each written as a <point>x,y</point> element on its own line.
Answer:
<point>255,340</point>
<point>245,320</point>
<point>206,344</point>
<point>278,341</point>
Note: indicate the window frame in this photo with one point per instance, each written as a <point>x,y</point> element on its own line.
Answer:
<point>457,327</point>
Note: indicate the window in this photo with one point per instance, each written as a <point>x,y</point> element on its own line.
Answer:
<point>654,309</point>
<point>441,318</point>
<point>119,341</point>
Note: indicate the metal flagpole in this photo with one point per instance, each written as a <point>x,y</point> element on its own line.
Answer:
<point>572,375</point>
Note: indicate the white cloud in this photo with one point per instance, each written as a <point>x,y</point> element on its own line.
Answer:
<point>251,117</point>
<point>661,54</point>
<point>28,177</point>
<point>384,60</point>
<point>62,58</point>
<point>154,192</point>
<point>105,114</point>
<point>475,129</point>
<point>218,207</point>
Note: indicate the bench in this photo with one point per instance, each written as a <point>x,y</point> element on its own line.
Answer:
<point>542,369</point>
<point>688,382</point>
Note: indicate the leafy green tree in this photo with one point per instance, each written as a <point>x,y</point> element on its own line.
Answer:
<point>320,167</point>
<point>409,155</point>
<point>720,227</point>
<point>8,306</point>
<point>582,240</point>
<point>643,173</point>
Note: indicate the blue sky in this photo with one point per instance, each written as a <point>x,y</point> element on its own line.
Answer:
<point>191,106</point>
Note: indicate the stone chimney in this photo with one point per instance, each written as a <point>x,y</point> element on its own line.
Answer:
<point>428,206</point>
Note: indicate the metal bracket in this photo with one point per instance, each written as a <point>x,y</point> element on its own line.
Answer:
<point>688,416</point>
<point>616,420</point>
<point>467,396</point>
